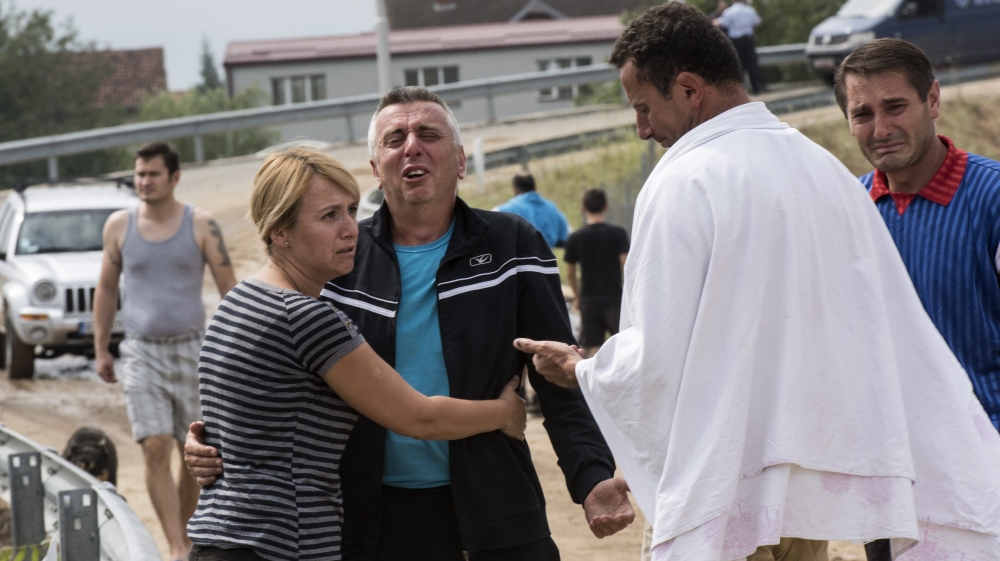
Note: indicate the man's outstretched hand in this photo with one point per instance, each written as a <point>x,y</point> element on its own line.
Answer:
<point>607,507</point>
<point>556,362</point>
<point>201,460</point>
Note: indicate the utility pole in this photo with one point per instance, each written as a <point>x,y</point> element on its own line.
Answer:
<point>382,57</point>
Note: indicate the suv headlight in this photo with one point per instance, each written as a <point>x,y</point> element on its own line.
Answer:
<point>45,291</point>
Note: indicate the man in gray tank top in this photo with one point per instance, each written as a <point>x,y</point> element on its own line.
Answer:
<point>161,247</point>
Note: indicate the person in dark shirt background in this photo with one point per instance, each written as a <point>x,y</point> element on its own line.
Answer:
<point>600,249</point>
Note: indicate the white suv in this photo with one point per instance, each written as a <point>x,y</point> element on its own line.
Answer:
<point>51,239</point>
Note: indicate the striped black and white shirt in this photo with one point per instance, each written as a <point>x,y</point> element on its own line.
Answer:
<point>280,429</point>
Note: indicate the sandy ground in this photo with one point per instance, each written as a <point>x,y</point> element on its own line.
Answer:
<point>67,394</point>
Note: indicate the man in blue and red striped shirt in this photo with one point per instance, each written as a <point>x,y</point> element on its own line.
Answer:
<point>940,203</point>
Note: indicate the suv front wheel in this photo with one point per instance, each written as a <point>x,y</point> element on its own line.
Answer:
<point>18,357</point>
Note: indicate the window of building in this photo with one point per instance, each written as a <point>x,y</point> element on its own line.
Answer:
<point>318,86</point>
<point>298,89</point>
<point>563,92</point>
<point>430,76</point>
<point>278,91</point>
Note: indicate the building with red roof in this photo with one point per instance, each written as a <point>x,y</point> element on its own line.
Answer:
<point>134,75</point>
<point>308,69</point>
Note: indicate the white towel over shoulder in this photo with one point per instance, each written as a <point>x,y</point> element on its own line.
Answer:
<point>768,319</point>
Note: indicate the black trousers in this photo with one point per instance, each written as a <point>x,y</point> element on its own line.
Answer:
<point>202,553</point>
<point>420,525</point>
<point>599,315</point>
<point>878,550</point>
<point>747,51</point>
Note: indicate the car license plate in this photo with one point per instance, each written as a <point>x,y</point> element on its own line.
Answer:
<point>87,328</point>
<point>825,62</point>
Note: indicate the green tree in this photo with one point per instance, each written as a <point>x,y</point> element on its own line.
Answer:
<point>600,93</point>
<point>168,105</point>
<point>49,83</point>
<point>209,75</point>
<point>790,21</point>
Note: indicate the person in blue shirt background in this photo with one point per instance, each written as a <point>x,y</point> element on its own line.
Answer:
<point>541,213</point>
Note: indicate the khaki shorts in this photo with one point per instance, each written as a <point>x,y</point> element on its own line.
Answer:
<point>161,384</point>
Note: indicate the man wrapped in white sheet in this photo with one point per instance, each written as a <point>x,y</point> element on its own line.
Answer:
<point>775,375</point>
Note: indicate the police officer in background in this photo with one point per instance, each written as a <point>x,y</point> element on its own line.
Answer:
<point>739,21</point>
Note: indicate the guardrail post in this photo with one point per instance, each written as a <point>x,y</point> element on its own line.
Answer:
<point>491,111</point>
<point>27,510</point>
<point>350,128</point>
<point>199,149</point>
<point>79,539</point>
<point>53,167</point>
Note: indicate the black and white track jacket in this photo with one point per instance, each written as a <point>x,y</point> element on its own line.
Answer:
<point>497,281</point>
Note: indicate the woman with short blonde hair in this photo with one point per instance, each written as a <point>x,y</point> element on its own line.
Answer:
<point>281,182</point>
<point>284,376</point>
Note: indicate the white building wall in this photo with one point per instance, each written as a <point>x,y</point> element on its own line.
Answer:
<point>357,76</point>
<point>345,78</point>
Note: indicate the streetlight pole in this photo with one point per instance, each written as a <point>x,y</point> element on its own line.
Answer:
<point>382,57</point>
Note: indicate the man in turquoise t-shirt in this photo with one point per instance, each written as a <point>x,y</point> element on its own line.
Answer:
<point>476,498</point>
<point>411,463</point>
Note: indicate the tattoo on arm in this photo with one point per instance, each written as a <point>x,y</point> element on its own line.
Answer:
<point>115,259</point>
<point>215,230</point>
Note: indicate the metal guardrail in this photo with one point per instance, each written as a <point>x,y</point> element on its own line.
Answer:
<point>47,489</point>
<point>811,100</point>
<point>51,147</point>
<point>552,147</point>
<point>781,54</point>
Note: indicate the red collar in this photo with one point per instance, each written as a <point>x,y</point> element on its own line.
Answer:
<point>940,189</point>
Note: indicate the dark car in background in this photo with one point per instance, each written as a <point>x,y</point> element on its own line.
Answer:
<point>951,32</point>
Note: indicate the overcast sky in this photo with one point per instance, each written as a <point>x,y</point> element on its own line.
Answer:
<point>179,25</point>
